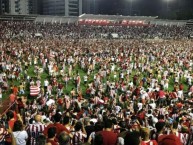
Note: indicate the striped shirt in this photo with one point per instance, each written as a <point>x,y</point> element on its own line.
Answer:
<point>174,116</point>
<point>3,133</point>
<point>186,138</point>
<point>34,90</point>
<point>116,128</point>
<point>78,137</point>
<point>34,130</point>
<point>182,136</point>
<point>96,100</point>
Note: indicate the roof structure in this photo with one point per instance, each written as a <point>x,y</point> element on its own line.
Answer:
<point>116,17</point>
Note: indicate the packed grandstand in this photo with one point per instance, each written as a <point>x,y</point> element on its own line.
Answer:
<point>96,80</point>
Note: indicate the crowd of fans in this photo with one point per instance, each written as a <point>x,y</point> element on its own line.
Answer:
<point>74,31</point>
<point>138,91</point>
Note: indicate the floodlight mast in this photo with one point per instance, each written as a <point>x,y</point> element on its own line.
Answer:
<point>167,6</point>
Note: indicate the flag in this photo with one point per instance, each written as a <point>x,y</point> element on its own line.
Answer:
<point>34,90</point>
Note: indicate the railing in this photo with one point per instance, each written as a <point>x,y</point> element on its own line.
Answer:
<point>17,18</point>
<point>6,110</point>
<point>189,23</point>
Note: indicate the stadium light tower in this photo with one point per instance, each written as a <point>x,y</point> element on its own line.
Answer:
<point>167,6</point>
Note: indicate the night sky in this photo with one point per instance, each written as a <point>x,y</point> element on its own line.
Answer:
<point>177,9</point>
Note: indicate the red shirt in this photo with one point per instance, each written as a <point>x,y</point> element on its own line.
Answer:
<point>52,142</point>
<point>11,123</point>
<point>141,115</point>
<point>60,101</point>
<point>15,115</point>
<point>181,87</point>
<point>60,86</point>
<point>179,105</point>
<point>187,124</point>
<point>109,137</point>
<point>106,99</point>
<point>12,98</point>
<point>59,128</point>
<point>15,90</point>
<point>161,94</point>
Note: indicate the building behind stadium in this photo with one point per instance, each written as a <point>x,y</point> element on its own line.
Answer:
<point>44,7</point>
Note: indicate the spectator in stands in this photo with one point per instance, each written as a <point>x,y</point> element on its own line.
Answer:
<point>170,140</point>
<point>9,123</point>
<point>98,139</point>
<point>162,62</point>
<point>132,138</point>
<point>160,126</point>
<point>161,97</point>
<point>35,129</point>
<point>145,135</point>
<point>97,127</point>
<point>88,127</point>
<point>64,139</point>
<point>79,134</point>
<point>51,136</point>
<point>3,133</point>
<point>41,140</point>
<point>12,98</point>
<point>67,124</point>
<point>19,133</point>
<point>109,137</point>
<point>59,127</point>
<point>10,119</point>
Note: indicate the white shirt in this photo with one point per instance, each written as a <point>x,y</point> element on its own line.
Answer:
<point>20,137</point>
<point>46,83</point>
<point>191,114</point>
<point>140,105</point>
<point>117,109</point>
<point>180,94</point>
<point>49,102</point>
<point>122,75</point>
<point>131,84</point>
<point>93,120</point>
<point>153,105</point>
<point>85,78</point>
<point>144,95</point>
